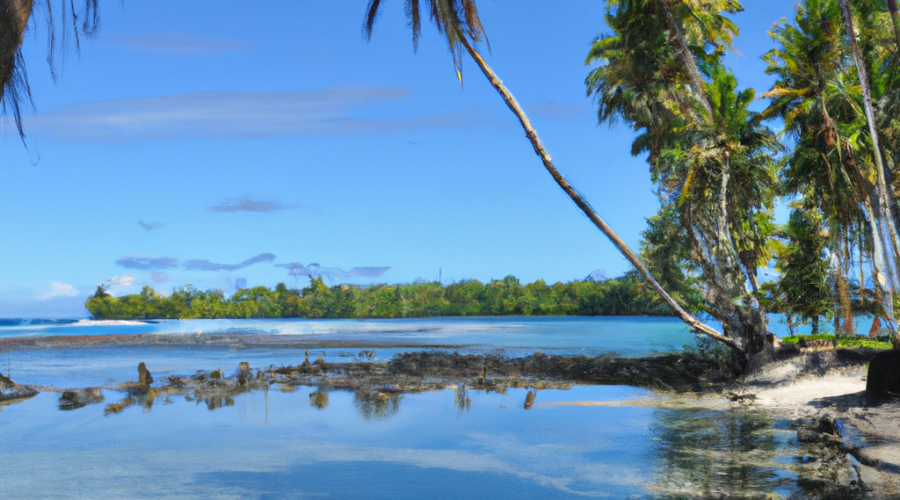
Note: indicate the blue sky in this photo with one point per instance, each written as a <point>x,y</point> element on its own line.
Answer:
<point>205,142</point>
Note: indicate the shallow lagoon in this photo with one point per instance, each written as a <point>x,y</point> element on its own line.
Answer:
<point>608,441</point>
<point>275,444</point>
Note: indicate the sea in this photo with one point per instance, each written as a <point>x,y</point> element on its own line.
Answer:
<point>582,441</point>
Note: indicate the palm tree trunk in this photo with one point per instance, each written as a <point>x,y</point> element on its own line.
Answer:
<point>695,324</point>
<point>684,53</point>
<point>846,303</point>
<point>895,18</point>
<point>884,195</point>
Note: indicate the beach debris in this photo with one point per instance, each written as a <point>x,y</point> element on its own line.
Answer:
<point>10,390</point>
<point>144,376</point>
<point>318,399</point>
<point>78,398</point>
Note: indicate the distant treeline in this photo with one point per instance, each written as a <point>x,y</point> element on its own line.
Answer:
<point>624,296</point>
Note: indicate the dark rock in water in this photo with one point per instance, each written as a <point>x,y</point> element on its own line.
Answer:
<point>216,375</point>
<point>79,398</point>
<point>243,373</point>
<point>884,374</point>
<point>144,377</point>
<point>367,354</point>
<point>320,363</point>
<point>10,390</point>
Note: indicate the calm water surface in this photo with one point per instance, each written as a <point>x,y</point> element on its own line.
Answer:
<point>276,444</point>
<point>454,443</point>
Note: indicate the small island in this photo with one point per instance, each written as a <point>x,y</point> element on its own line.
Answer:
<point>627,295</point>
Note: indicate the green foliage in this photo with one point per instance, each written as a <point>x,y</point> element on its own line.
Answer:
<point>843,341</point>
<point>804,268</point>
<point>627,295</point>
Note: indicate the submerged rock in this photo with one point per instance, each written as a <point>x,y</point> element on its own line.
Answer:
<point>884,374</point>
<point>10,390</point>
<point>79,398</point>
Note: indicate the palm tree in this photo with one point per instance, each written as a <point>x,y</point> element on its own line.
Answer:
<point>895,20</point>
<point>14,17</point>
<point>715,170</point>
<point>458,21</point>
<point>823,109</point>
<point>883,193</point>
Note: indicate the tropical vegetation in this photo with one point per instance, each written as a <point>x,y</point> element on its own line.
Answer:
<point>626,295</point>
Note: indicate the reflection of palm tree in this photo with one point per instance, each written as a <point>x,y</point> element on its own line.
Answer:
<point>712,453</point>
<point>374,404</point>
<point>458,22</point>
<point>462,400</point>
<point>318,399</point>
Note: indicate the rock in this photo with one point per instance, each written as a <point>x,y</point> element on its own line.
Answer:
<point>320,363</point>
<point>10,390</point>
<point>367,354</point>
<point>884,374</point>
<point>243,373</point>
<point>144,377</point>
<point>79,398</point>
<point>216,375</point>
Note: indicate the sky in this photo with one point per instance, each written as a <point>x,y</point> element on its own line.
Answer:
<point>223,142</point>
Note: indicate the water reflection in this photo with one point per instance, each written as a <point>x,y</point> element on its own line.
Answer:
<point>461,399</point>
<point>710,454</point>
<point>318,399</point>
<point>529,399</point>
<point>375,404</point>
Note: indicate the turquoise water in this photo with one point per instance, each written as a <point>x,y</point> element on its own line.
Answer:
<point>276,445</point>
<point>626,335</point>
<point>610,441</point>
<point>590,336</point>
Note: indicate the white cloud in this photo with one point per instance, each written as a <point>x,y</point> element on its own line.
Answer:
<point>58,289</point>
<point>243,115</point>
<point>119,281</point>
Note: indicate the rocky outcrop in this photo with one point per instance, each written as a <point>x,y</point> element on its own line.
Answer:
<point>79,398</point>
<point>10,390</point>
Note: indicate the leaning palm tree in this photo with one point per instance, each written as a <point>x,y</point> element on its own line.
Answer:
<point>459,23</point>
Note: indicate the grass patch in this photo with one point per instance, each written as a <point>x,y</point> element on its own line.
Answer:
<point>797,338</point>
<point>843,341</point>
